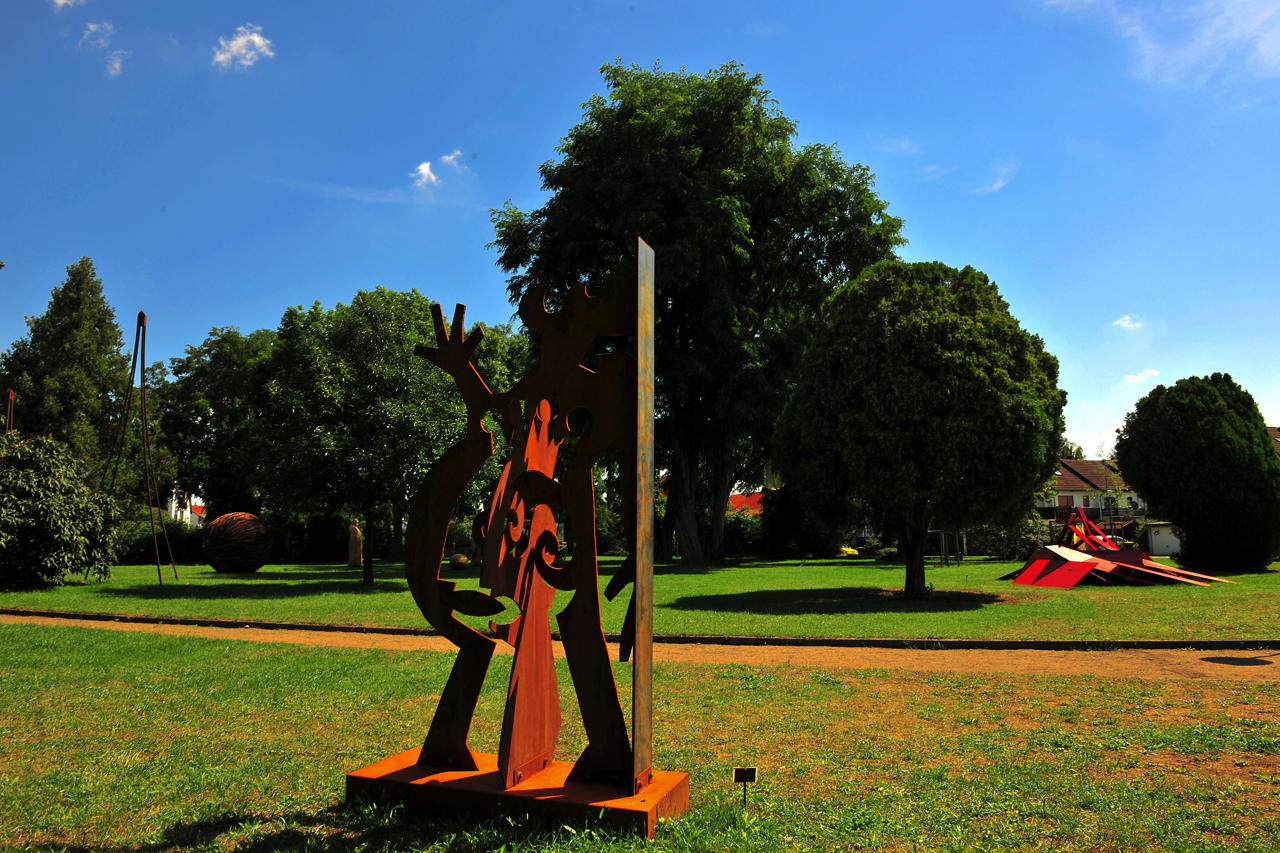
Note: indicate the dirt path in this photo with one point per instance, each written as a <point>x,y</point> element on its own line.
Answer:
<point>1159,664</point>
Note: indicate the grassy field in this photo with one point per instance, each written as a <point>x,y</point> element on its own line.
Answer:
<point>152,742</point>
<point>833,598</point>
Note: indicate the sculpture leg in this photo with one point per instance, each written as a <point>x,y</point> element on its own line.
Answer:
<point>446,743</point>
<point>607,758</point>
<point>531,719</point>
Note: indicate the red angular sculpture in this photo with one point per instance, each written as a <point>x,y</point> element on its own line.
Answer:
<point>579,400</point>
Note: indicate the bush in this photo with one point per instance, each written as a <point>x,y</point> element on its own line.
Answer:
<point>1013,541</point>
<point>743,527</point>
<point>137,547</point>
<point>51,523</point>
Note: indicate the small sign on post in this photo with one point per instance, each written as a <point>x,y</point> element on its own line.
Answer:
<point>746,776</point>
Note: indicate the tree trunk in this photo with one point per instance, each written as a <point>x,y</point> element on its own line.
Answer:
<point>911,546</point>
<point>662,550</point>
<point>721,484</point>
<point>397,532</point>
<point>683,509</point>
<point>369,527</point>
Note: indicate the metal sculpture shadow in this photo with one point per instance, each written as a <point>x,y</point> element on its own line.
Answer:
<point>589,392</point>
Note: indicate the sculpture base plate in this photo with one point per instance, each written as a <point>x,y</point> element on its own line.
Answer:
<point>546,794</point>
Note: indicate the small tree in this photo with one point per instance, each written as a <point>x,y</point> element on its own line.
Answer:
<point>923,398</point>
<point>51,523</point>
<point>1199,454</point>
<point>68,371</point>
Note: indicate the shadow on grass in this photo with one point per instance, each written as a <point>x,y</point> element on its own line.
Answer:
<point>839,600</point>
<point>360,826</point>
<point>257,589</point>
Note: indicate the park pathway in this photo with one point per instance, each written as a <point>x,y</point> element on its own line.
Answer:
<point>1156,664</point>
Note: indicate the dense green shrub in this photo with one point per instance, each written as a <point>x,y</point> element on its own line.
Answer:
<point>742,532</point>
<point>51,523</point>
<point>1013,541</point>
<point>1198,452</point>
<point>137,545</point>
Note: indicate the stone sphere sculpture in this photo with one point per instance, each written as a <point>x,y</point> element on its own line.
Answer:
<point>237,542</point>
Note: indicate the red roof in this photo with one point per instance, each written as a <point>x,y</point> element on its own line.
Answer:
<point>1274,432</point>
<point>751,503</point>
<point>1087,475</point>
<point>197,509</point>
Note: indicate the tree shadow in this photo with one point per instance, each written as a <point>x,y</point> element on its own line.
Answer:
<point>835,600</point>
<point>255,590</point>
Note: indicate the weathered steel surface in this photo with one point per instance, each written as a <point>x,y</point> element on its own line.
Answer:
<point>642,548</point>
<point>577,402</point>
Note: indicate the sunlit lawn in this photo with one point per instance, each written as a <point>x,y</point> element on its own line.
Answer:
<point>142,741</point>
<point>835,598</point>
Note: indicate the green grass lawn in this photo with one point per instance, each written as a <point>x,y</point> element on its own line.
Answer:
<point>151,742</point>
<point>832,598</point>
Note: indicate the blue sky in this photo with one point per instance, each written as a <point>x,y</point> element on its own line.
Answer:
<point>1112,164</point>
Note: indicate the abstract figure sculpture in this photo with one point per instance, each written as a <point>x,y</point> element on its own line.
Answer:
<point>590,391</point>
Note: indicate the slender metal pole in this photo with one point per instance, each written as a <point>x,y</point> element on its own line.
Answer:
<point>642,655</point>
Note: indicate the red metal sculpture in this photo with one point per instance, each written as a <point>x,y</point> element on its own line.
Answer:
<point>1085,554</point>
<point>590,391</point>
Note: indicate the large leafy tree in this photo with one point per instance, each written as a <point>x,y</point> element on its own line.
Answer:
<point>212,419</point>
<point>1198,452</point>
<point>354,419</point>
<point>751,234</point>
<point>923,400</point>
<point>69,371</point>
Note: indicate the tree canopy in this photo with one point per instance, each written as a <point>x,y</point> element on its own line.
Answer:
<point>1199,453</point>
<point>354,418</point>
<point>212,418</point>
<point>751,233</point>
<point>923,400</point>
<point>69,372</point>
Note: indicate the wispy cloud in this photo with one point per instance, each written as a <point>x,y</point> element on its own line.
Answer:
<point>348,193</point>
<point>452,158</point>
<point>97,35</point>
<point>1002,174</point>
<point>245,47</point>
<point>64,4</point>
<point>1194,42</point>
<point>1128,321</point>
<point>115,62</point>
<point>933,171</point>
<point>903,145</point>
<point>423,176</point>
<point>1141,376</point>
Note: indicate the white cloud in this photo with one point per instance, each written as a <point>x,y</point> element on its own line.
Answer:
<point>63,4</point>
<point>1128,321</point>
<point>1141,376</point>
<point>244,48</point>
<point>423,176</point>
<point>452,158</point>
<point>1194,42</point>
<point>903,145</point>
<point>115,62</point>
<point>1001,175</point>
<point>97,35</point>
<point>933,171</point>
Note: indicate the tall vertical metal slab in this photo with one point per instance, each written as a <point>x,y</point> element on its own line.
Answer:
<point>642,548</point>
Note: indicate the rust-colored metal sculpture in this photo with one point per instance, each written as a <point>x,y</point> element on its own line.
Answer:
<point>590,391</point>
<point>237,542</point>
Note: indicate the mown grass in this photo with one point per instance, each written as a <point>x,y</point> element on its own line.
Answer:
<point>831,598</point>
<point>152,742</point>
